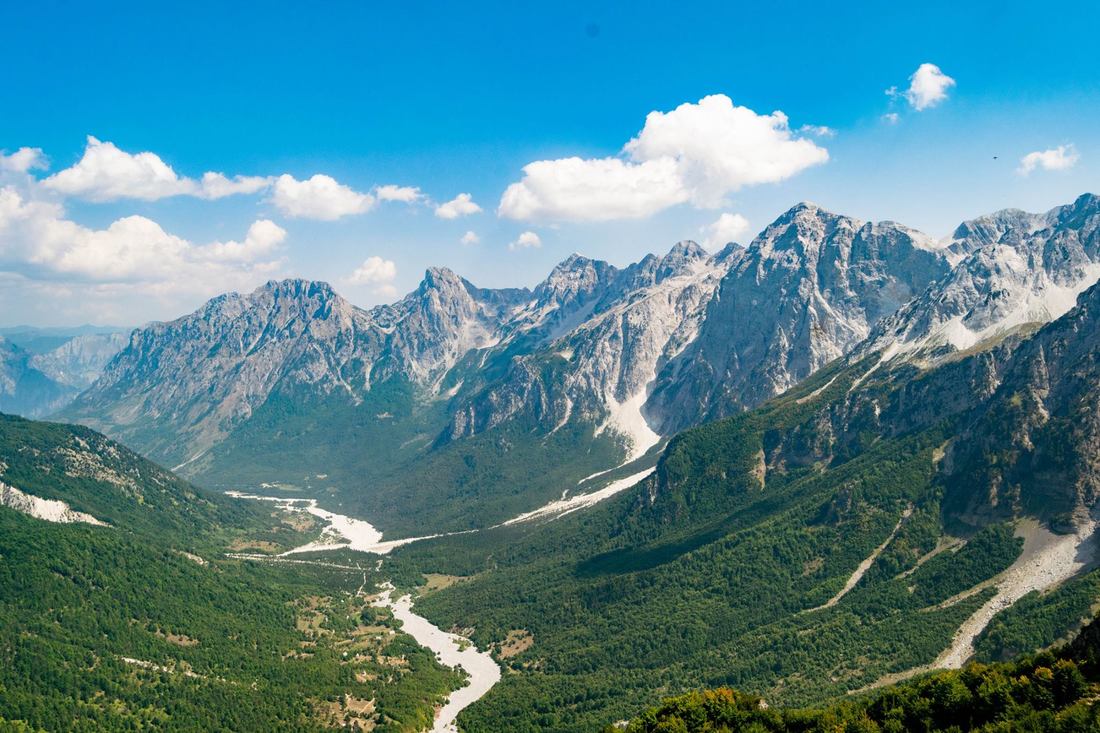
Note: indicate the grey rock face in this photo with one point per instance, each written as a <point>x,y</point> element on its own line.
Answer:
<point>198,377</point>
<point>602,334</point>
<point>808,288</point>
<point>1019,269</point>
<point>1034,446</point>
<point>640,351</point>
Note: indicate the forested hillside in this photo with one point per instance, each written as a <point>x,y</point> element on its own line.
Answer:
<point>1056,691</point>
<point>815,546</point>
<point>142,622</point>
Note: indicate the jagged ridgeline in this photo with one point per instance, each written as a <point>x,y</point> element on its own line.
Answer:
<point>458,406</point>
<point>861,528</point>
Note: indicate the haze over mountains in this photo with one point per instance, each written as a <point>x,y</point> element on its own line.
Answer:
<point>596,364</point>
<point>42,370</point>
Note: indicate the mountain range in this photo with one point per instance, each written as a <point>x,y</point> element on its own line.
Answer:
<point>881,520</point>
<point>42,370</point>
<point>461,406</point>
<point>840,458</point>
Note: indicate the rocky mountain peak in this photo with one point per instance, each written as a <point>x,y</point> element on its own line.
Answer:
<point>800,233</point>
<point>1017,268</point>
<point>1076,214</point>
<point>681,258</point>
<point>441,291</point>
<point>655,346</point>
<point>805,291</point>
<point>295,288</point>
<point>441,278</point>
<point>574,278</point>
<point>686,250</point>
<point>1007,226</point>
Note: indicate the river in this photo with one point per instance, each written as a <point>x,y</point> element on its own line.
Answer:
<point>452,650</point>
<point>344,532</point>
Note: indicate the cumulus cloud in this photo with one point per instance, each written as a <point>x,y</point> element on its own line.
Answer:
<point>218,185</point>
<point>927,87</point>
<point>696,153</point>
<point>1060,158</point>
<point>461,205</point>
<point>727,228</point>
<point>377,273</point>
<point>319,197</point>
<point>263,237</point>
<point>526,240</point>
<point>817,130</point>
<point>603,189</point>
<point>106,173</point>
<point>404,194</point>
<point>22,160</point>
<point>470,238</point>
<point>38,242</point>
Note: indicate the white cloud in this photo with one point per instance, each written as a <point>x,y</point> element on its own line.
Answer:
<point>526,240</point>
<point>23,160</point>
<point>319,197</point>
<point>106,173</point>
<point>891,118</point>
<point>377,273</point>
<point>461,205</point>
<point>927,87</point>
<point>697,153</point>
<point>817,130</point>
<point>470,238</point>
<point>218,185</point>
<point>262,238</point>
<point>604,189</point>
<point>726,229</point>
<point>1060,158</point>
<point>38,242</point>
<point>404,194</point>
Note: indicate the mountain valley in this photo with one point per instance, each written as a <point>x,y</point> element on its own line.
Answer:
<point>811,468</point>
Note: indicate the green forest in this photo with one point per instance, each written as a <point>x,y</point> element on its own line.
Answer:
<point>1053,692</point>
<point>701,578</point>
<point>146,624</point>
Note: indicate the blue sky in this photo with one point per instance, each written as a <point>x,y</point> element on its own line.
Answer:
<point>457,98</point>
